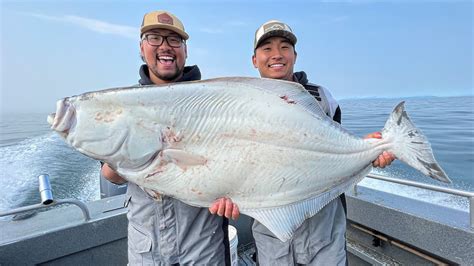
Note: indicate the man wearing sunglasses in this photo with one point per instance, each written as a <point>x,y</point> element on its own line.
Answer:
<point>163,230</point>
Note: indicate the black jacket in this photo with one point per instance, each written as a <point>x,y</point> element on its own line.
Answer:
<point>190,73</point>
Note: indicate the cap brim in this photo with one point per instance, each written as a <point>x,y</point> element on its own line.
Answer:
<point>277,33</point>
<point>181,33</point>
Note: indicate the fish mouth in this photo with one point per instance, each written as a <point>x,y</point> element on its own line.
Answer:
<point>64,118</point>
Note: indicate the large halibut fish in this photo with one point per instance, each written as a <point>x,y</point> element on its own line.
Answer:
<point>264,143</point>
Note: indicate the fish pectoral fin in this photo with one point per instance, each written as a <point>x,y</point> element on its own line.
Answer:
<point>183,159</point>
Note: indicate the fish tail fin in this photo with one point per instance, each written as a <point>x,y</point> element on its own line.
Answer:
<point>410,145</point>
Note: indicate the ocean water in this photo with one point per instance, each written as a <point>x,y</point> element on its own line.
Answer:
<point>28,148</point>
<point>448,122</point>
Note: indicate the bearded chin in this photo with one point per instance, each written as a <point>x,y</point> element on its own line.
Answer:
<point>170,76</point>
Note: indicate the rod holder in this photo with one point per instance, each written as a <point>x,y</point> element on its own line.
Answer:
<point>48,201</point>
<point>45,189</point>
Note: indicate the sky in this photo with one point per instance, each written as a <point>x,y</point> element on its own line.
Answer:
<point>356,49</point>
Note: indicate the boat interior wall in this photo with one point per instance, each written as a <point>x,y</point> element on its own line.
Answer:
<point>433,230</point>
<point>383,228</point>
<point>60,236</point>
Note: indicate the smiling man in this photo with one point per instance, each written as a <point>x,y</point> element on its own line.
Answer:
<point>163,230</point>
<point>164,61</point>
<point>321,238</point>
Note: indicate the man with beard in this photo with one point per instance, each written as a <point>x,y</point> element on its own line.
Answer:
<point>163,230</point>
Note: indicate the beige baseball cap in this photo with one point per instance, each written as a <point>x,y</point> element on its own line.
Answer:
<point>163,20</point>
<point>273,28</point>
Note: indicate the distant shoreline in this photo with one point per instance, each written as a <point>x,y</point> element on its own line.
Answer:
<point>404,97</point>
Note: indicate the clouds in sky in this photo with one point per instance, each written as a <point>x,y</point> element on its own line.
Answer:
<point>357,48</point>
<point>92,24</point>
<point>121,30</point>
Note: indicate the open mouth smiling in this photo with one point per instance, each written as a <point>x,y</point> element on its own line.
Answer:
<point>166,59</point>
<point>279,65</point>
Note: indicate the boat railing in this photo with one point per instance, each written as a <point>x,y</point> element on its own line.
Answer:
<point>48,201</point>
<point>456,192</point>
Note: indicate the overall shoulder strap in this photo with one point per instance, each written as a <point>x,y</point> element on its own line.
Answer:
<point>319,95</point>
<point>325,100</point>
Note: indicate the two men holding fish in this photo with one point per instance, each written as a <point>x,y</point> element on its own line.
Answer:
<point>165,230</point>
<point>157,223</point>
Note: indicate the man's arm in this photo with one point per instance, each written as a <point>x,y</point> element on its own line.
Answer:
<point>111,175</point>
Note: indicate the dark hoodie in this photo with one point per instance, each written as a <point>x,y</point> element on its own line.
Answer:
<point>190,73</point>
<point>301,77</point>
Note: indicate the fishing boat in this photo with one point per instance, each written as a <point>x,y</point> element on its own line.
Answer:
<point>382,229</point>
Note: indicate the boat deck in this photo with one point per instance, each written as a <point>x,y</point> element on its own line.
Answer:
<point>383,228</point>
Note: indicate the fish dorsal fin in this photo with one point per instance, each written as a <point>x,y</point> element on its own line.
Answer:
<point>284,221</point>
<point>292,92</point>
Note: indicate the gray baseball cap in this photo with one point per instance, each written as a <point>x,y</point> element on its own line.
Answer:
<point>273,28</point>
